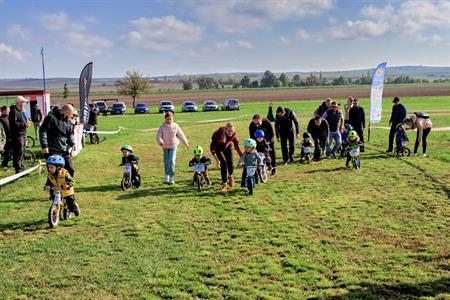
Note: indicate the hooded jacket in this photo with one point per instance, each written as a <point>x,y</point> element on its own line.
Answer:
<point>56,134</point>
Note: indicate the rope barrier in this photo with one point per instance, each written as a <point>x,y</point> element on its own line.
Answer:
<point>21,174</point>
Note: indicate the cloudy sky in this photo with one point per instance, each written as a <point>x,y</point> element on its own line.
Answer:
<point>206,36</point>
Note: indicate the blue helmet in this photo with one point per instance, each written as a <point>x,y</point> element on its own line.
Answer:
<point>348,127</point>
<point>259,133</point>
<point>56,160</point>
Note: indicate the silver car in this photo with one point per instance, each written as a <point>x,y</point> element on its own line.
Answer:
<point>166,105</point>
<point>209,105</point>
<point>189,106</point>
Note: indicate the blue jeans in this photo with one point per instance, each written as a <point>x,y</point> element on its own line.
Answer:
<point>338,141</point>
<point>170,155</point>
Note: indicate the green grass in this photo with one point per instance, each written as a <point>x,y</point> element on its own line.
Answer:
<point>314,231</point>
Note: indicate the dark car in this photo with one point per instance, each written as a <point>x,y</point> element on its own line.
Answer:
<point>188,106</point>
<point>210,106</point>
<point>118,108</point>
<point>141,108</point>
<point>166,105</point>
<point>230,104</point>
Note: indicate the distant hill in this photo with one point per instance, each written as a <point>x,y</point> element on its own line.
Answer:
<point>411,71</point>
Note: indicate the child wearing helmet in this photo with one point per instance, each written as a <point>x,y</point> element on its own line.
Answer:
<point>400,136</point>
<point>129,158</point>
<point>263,147</point>
<point>199,158</point>
<point>250,158</point>
<point>305,145</point>
<point>345,131</point>
<point>353,142</point>
<point>58,177</point>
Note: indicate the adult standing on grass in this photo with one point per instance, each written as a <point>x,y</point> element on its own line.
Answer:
<point>397,116</point>
<point>323,107</point>
<point>357,118</point>
<point>261,123</point>
<point>320,132</point>
<point>57,137</point>
<point>284,128</point>
<point>423,125</point>
<point>37,117</point>
<point>92,123</point>
<point>347,110</point>
<point>7,150</point>
<point>18,125</point>
<point>336,126</point>
<point>168,137</point>
<point>221,142</point>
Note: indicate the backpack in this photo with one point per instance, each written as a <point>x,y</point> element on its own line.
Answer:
<point>423,115</point>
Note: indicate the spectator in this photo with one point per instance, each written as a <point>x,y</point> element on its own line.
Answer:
<point>37,117</point>
<point>284,128</point>
<point>347,109</point>
<point>220,147</point>
<point>357,118</point>
<point>323,107</point>
<point>57,137</point>
<point>319,130</point>
<point>7,150</point>
<point>92,122</point>
<point>2,138</point>
<point>336,126</point>
<point>264,125</point>
<point>18,125</point>
<point>397,116</point>
<point>423,125</point>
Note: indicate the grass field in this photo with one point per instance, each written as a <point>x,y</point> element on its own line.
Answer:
<point>318,231</point>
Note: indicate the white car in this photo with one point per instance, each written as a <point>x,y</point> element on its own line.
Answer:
<point>189,106</point>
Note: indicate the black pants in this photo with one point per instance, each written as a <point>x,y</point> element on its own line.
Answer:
<point>70,200</point>
<point>67,158</point>
<point>226,163</point>
<point>273,161</point>
<point>7,154</point>
<point>360,132</point>
<point>18,147</point>
<point>424,140</point>
<point>391,136</point>
<point>319,144</point>
<point>284,139</point>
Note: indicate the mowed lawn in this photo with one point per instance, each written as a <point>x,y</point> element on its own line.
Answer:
<point>313,231</point>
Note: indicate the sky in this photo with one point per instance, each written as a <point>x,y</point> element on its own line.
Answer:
<point>175,37</point>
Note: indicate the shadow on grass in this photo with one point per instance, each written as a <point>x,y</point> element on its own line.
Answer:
<point>397,291</point>
<point>99,188</point>
<point>326,170</point>
<point>44,198</point>
<point>25,226</point>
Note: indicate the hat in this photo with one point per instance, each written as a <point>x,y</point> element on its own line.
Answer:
<point>21,99</point>
<point>396,99</point>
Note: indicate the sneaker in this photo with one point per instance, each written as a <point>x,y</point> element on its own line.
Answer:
<point>171,181</point>
<point>77,211</point>
<point>5,169</point>
<point>274,171</point>
<point>413,154</point>
<point>424,155</point>
<point>167,179</point>
<point>231,178</point>
<point>224,188</point>
<point>286,163</point>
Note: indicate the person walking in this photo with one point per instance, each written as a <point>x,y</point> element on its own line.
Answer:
<point>37,117</point>
<point>7,150</point>
<point>284,128</point>
<point>347,110</point>
<point>92,123</point>
<point>18,125</point>
<point>398,114</point>
<point>319,130</point>
<point>221,143</point>
<point>357,119</point>
<point>336,126</point>
<point>264,125</point>
<point>168,137</point>
<point>423,125</point>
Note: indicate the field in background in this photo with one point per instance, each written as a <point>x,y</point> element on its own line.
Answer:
<point>313,231</point>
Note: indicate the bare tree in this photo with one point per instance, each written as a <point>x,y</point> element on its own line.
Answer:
<point>132,84</point>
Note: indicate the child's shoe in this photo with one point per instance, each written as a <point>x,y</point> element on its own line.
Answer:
<point>166,181</point>
<point>424,155</point>
<point>231,178</point>
<point>224,188</point>
<point>171,181</point>
<point>76,210</point>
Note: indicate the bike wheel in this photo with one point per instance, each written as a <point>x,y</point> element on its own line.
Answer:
<point>125,184</point>
<point>67,215</point>
<point>406,151</point>
<point>53,216</point>
<point>354,163</point>
<point>29,157</point>
<point>262,172</point>
<point>198,182</point>
<point>358,163</point>
<point>30,142</point>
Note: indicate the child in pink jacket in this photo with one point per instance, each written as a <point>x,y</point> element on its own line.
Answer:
<point>168,138</point>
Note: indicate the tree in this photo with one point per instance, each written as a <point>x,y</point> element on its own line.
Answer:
<point>205,82</point>
<point>132,84</point>
<point>341,80</point>
<point>66,91</point>
<point>296,80</point>
<point>284,80</point>
<point>255,84</point>
<point>245,82</point>
<point>187,84</point>
<point>268,80</point>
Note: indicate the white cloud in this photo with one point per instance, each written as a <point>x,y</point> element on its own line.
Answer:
<point>373,12</point>
<point>240,16</point>
<point>223,45</point>
<point>11,53</point>
<point>414,15</point>
<point>60,22</point>
<point>302,35</point>
<point>85,44</point>
<point>284,40</point>
<point>244,44</point>
<point>165,33</point>
<point>359,30</point>
<point>18,33</point>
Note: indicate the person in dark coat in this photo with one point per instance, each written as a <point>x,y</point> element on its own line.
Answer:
<point>320,131</point>
<point>7,150</point>
<point>398,114</point>
<point>37,117</point>
<point>357,118</point>
<point>326,105</point>
<point>18,124</point>
<point>284,128</point>
<point>269,135</point>
<point>92,121</point>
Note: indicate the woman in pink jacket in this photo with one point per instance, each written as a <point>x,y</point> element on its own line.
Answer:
<point>168,138</point>
<point>423,126</point>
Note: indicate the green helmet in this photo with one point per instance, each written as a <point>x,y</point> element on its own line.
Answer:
<point>126,147</point>
<point>198,150</point>
<point>250,143</point>
<point>352,135</point>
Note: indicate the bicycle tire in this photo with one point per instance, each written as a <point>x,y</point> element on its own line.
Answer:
<point>406,151</point>
<point>125,184</point>
<point>262,172</point>
<point>30,143</point>
<point>28,156</point>
<point>53,216</point>
<point>199,182</point>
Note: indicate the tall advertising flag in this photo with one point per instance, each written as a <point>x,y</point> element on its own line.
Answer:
<point>376,95</point>
<point>84,87</point>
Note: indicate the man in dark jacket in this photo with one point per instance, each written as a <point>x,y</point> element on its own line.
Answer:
<point>7,150</point>
<point>92,122</point>
<point>357,118</point>
<point>37,116</point>
<point>284,128</point>
<point>320,131</point>
<point>326,105</point>
<point>336,123</point>
<point>397,116</point>
<point>18,125</point>
<point>57,137</point>
<point>264,125</point>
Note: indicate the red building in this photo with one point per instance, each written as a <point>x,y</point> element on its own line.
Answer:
<point>34,97</point>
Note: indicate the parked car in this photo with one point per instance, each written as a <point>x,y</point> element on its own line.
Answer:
<point>230,104</point>
<point>189,106</point>
<point>102,107</point>
<point>166,105</point>
<point>141,108</point>
<point>118,108</point>
<point>210,105</point>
